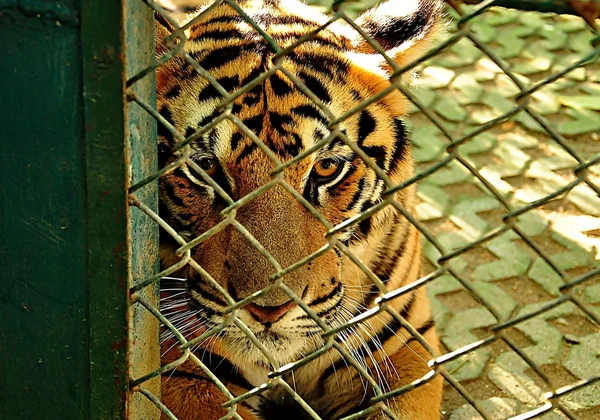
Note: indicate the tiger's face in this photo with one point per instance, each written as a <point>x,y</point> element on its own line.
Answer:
<point>341,71</point>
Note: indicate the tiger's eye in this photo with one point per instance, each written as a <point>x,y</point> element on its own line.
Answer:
<point>209,165</point>
<point>326,168</point>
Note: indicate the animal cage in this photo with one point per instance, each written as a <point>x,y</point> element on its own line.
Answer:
<point>504,124</point>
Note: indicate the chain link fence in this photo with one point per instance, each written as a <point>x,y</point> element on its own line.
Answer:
<point>453,139</point>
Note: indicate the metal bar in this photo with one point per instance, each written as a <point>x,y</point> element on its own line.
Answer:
<point>107,175</point>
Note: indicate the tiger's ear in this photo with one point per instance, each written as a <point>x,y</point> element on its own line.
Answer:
<point>404,28</point>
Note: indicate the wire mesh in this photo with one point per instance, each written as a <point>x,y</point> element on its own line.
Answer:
<point>451,264</point>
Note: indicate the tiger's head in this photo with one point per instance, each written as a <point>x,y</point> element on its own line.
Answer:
<point>341,70</point>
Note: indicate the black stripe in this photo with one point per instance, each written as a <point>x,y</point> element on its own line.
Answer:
<point>325,298</point>
<point>235,18</point>
<point>364,226</point>
<point>206,295</point>
<point>357,194</point>
<point>208,118</point>
<point>386,262</point>
<point>279,86</point>
<point>401,144</point>
<point>309,111</point>
<point>251,76</point>
<point>426,326</point>
<point>422,330</point>
<point>221,367</point>
<point>408,305</point>
<point>255,124</point>
<point>165,112</point>
<point>331,67</point>
<point>377,153</point>
<point>245,152</point>
<point>366,125</point>
<point>235,140</point>
<point>217,34</point>
<point>390,330</point>
<point>339,364</point>
<point>169,190</point>
<point>219,57</point>
<point>173,92</point>
<point>315,86</point>
<point>210,92</point>
<point>278,120</point>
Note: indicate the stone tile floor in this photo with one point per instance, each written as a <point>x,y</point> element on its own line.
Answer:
<point>466,89</point>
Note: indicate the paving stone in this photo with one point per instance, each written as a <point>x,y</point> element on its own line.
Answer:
<point>581,102</point>
<point>512,262</point>
<point>463,53</point>
<point>582,121</point>
<point>585,199</point>
<point>568,23</point>
<point>442,285</point>
<point>534,20</point>
<point>464,215</point>
<point>435,77</point>
<point>499,17</point>
<point>428,142</point>
<point>581,42</point>
<point>519,386</point>
<point>497,409</point>
<point>498,102</point>
<point>485,33</point>
<point>450,241</point>
<point>592,293</point>
<point>435,202</point>
<point>466,89</point>
<point>569,231</point>
<point>545,276</point>
<point>511,47</point>
<point>533,65</point>
<point>545,102</point>
<point>496,297</point>
<point>450,109</point>
<point>425,95</point>
<point>458,333</point>
<point>582,360</point>
<point>505,86</point>
<point>554,39</point>
<point>521,140</point>
<point>453,173</point>
<point>524,165</point>
<point>469,366</point>
<point>549,341</point>
<point>590,88</point>
<point>511,362</point>
<point>495,179</point>
<point>478,144</point>
<point>532,223</point>
<point>577,74</point>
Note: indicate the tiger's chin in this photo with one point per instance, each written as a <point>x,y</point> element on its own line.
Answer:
<point>279,347</point>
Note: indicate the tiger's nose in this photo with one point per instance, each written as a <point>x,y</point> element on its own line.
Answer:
<point>269,314</point>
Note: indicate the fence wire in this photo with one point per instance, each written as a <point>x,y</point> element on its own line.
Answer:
<point>448,264</point>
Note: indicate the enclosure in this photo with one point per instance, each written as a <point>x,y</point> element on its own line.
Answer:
<point>506,135</point>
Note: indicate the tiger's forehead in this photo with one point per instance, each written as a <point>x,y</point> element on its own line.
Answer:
<point>272,108</point>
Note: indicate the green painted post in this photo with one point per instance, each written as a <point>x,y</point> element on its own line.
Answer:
<point>65,241</point>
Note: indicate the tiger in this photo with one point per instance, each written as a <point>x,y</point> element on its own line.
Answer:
<point>340,69</point>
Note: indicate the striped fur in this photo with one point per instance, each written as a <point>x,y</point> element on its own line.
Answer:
<point>342,71</point>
